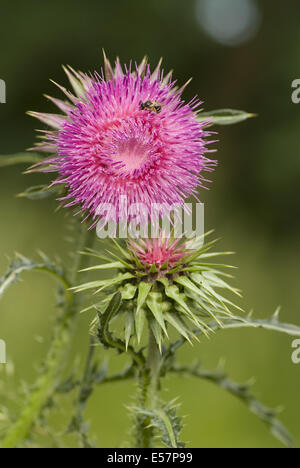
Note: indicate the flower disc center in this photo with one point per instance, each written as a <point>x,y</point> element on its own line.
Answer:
<point>132,154</point>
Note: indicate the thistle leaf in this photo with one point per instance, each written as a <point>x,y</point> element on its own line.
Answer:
<point>271,324</point>
<point>166,422</point>
<point>235,322</point>
<point>169,430</point>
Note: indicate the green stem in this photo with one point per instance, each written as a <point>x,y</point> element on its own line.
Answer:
<point>85,391</point>
<point>153,364</point>
<point>55,361</point>
<point>127,374</point>
<point>149,385</point>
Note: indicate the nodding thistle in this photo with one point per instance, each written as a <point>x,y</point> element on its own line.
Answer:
<point>128,135</point>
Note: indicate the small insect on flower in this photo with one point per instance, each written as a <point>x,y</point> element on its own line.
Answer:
<point>151,106</point>
<point>125,133</point>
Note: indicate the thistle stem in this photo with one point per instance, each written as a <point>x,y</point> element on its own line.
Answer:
<point>57,356</point>
<point>153,364</point>
<point>149,384</point>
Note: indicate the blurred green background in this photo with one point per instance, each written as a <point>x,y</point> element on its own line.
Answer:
<point>241,54</point>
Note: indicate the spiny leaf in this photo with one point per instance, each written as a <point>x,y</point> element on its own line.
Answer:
<point>272,324</point>
<point>169,432</point>
<point>166,422</point>
<point>268,324</point>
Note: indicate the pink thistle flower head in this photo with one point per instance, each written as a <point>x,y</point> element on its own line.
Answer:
<point>164,282</point>
<point>124,133</point>
<point>162,253</point>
